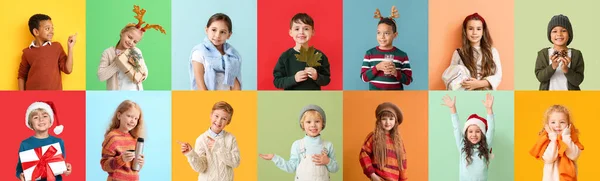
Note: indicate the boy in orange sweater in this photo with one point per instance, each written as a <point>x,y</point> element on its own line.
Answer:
<point>43,60</point>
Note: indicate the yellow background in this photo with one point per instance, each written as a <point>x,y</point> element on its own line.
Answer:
<point>68,17</point>
<point>191,118</point>
<point>529,111</point>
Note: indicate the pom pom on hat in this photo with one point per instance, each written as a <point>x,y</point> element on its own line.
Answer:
<point>49,107</point>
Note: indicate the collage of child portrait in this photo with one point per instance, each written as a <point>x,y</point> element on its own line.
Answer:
<point>313,90</point>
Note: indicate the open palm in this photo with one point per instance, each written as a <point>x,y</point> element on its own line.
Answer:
<point>489,101</point>
<point>448,101</point>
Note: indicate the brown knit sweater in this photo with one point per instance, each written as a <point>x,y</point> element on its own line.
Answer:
<point>41,66</point>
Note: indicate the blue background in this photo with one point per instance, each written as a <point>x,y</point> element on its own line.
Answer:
<point>156,109</point>
<point>360,35</point>
<point>189,18</point>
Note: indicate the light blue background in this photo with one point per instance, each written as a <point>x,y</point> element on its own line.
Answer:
<point>189,19</point>
<point>156,108</point>
<point>360,35</point>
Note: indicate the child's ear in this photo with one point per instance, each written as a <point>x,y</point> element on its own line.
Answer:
<point>396,34</point>
<point>206,31</point>
<point>290,33</point>
<point>36,32</point>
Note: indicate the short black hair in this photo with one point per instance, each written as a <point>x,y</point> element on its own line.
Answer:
<point>304,18</point>
<point>34,21</point>
<point>388,21</point>
<point>220,17</point>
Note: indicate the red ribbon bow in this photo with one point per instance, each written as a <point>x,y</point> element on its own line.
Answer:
<point>42,168</point>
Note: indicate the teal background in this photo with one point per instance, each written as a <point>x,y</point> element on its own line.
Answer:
<point>189,20</point>
<point>443,153</point>
<point>531,28</point>
<point>104,21</point>
<point>360,35</point>
<point>279,127</point>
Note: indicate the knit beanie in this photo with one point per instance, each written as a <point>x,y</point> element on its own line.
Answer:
<point>563,21</point>
<point>312,107</point>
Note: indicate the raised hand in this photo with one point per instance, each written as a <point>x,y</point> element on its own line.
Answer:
<point>555,61</point>
<point>71,41</point>
<point>565,64</point>
<point>266,156</point>
<point>566,131</point>
<point>185,147</point>
<point>211,143</point>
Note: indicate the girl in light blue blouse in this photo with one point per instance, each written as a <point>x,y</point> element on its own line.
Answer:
<point>214,63</point>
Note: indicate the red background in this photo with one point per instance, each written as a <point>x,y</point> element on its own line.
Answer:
<point>273,36</point>
<point>70,106</point>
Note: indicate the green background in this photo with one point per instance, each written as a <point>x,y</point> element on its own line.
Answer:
<point>104,21</point>
<point>279,127</point>
<point>443,153</point>
<point>531,26</point>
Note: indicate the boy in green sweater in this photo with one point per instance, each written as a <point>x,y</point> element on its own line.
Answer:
<point>290,73</point>
<point>43,60</point>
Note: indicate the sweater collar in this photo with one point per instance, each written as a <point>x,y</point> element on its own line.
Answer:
<point>312,140</point>
<point>33,44</point>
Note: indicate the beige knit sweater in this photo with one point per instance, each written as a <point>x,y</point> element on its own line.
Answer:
<point>219,161</point>
<point>108,69</point>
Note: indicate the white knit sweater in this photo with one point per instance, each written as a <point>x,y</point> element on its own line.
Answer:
<point>219,162</point>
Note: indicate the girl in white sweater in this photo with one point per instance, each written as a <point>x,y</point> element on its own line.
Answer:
<point>216,152</point>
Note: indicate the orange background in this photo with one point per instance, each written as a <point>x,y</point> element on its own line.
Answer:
<point>530,107</point>
<point>359,121</point>
<point>191,118</point>
<point>445,29</point>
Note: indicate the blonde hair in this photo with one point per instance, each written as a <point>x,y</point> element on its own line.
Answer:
<point>35,112</point>
<point>560,109</point>
<point>222,105</point>
<point>124,107</point>
<point>310,114</point>
<point>126,29</point>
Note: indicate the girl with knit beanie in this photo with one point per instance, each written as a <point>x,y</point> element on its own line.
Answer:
<point>558,145</point>
<point>311,158</point>
<point>474,140</point>
<point>559,67</point>
<point>478,56</point>
<point>377,164</point>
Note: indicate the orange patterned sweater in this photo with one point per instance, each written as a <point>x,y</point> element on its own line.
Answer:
<point>115,144</point>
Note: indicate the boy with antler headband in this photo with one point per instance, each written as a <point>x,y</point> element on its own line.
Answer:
<point>43,60</point>
<point>386,67</point>
<point>301,67</point>
<point>123,66</point>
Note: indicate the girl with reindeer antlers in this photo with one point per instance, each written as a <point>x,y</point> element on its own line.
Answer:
<point>127,75</point>
<point>386,67</point>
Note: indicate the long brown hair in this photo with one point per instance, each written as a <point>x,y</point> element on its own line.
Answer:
<point>124,107</point>
<point>561,109</point>
<point>484,151</point>
<point>488,67</point>
<point>380,136</point>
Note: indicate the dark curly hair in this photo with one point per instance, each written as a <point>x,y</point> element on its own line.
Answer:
<point>484,151</point>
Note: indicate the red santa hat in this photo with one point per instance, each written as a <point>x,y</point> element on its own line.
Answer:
<point>49,107</point>
<point>479,122</point>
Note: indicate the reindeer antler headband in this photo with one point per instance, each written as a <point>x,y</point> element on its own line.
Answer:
<point>139,16</point>
<point>393,16</point>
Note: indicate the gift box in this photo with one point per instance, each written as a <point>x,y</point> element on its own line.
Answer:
<point>130,63</point>
<point>43,162</point>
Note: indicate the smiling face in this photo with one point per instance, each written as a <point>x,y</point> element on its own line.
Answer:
<point>301,33</point>
<point>474,32</point>
<point>45,31</point>
<point>558,121</point>
<point>559,36</point>
<point>218,32</point>
<point>219,118</point>
<point>385,35</point>
<point>39,120</point>
<point>473,134</point>
<point>387,120</point>
<point>128,120</point>
<point>312,123</point>
<point>130,37</point>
